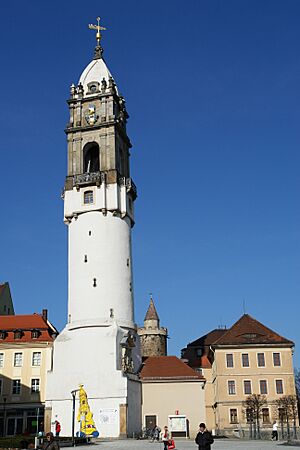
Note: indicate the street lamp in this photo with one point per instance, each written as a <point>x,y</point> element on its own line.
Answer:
<point>73,393</point>
<point>4,415</point>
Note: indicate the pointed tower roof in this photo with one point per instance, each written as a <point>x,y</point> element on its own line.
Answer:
<point>249,331</point>
<point>97,70</point>
<point>151,313</point>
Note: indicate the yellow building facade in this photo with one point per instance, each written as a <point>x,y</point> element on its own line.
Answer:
<point>246,359</point>
<point>172,395</point>
<point>26,343</point>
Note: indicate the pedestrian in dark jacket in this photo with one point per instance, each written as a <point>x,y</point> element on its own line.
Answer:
<point>204,438</point>
<point>50,443</point>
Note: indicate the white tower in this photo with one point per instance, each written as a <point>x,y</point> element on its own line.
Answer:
<point>98,347</point>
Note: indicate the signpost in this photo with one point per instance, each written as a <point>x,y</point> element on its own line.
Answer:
<point>178,425</point>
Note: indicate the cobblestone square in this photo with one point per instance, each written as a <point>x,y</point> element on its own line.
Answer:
<point>220,444</point>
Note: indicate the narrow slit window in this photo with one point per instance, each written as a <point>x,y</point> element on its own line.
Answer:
<point>85,258</point>
<point>94,282</point>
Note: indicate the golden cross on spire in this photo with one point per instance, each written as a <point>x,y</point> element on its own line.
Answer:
<point>98,28</point>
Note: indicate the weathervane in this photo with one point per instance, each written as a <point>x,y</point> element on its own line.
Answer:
<point>98,28</point>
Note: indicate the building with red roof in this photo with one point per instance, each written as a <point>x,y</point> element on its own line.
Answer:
<point>26,344</point>
<point>172,395</point>
<point>248,358</point>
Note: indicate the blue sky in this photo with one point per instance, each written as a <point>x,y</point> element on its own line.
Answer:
<point>212,89</point>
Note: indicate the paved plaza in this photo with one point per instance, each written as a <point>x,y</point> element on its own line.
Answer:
<point>220,444</point>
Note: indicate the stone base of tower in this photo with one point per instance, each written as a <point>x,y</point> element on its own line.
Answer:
<point>97,357</point>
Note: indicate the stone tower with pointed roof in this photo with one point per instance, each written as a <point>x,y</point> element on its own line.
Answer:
<point>6,303</point>
<point>99,346</point>
<point>153,337</point>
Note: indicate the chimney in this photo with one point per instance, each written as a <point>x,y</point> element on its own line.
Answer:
<point>45,314</point>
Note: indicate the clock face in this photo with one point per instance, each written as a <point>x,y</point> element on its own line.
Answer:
<point>90,115</point>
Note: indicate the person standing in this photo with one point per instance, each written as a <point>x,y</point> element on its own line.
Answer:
<point>57,428</point>
<point>165,437</point>
<point>275,431</point>
<point>204,438</point>
<point>50,443</point>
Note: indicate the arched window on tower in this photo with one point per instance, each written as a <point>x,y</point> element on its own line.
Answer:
<point>91,160</point>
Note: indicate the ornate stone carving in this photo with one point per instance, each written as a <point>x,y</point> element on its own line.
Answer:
<point>127,344</point>
<point>87,178</point>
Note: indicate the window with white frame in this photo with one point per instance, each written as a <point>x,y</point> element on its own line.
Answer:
<point>36,358</point>
<point>233,415</point>
<point>18,359</point>
<point>229,360</point>
<point>16,387</point>
<point>261,360</point>
<point>276,359</point>
<point>35,334</point>
<point>231,387</point>
<point>35,385</point>
<point>1,359</point>
<point>279,386</point>
<point>263,387</point>
<point>247,387</point>
<point>88,197</point>
<point>245,360</point>
<point>265,415</point>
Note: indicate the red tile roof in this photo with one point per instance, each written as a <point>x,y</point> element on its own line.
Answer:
<point>167,367</point>
<point>26,323</point>
<point>249,331</point>
<point>209,338</point>
<point>204,343</point>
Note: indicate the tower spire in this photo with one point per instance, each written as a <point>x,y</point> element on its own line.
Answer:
<point>99,28</point>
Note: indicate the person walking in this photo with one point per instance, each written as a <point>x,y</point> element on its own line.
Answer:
<point>165,436</point>
<point>50,443</point>
<point>155,433</point>
<point>275,431</point>
<point>204,438</point>
<point>57,428</point>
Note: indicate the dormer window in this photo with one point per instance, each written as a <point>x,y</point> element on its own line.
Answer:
<point>2,335</point>
<point>88,197</point>
<point>251,335</point>
<point>17,334</point>
<point>93,87</point>
<point>35,334</point>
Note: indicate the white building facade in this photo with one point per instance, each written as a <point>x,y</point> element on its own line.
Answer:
<point>99,347</point>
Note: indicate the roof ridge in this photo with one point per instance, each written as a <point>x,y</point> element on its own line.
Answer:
<point>254,323</point>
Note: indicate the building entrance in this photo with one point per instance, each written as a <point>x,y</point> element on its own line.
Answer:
<point>150,422</point>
